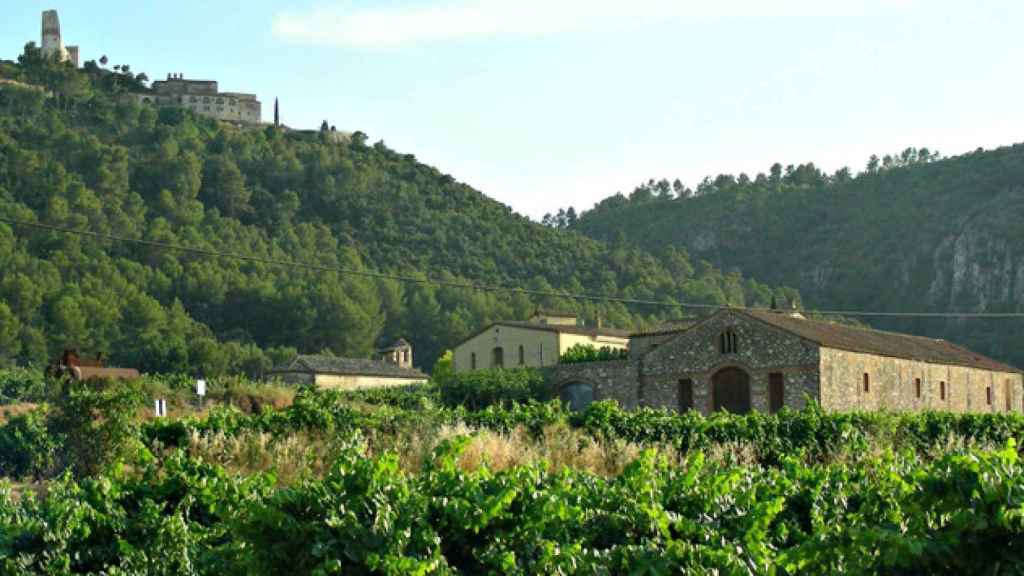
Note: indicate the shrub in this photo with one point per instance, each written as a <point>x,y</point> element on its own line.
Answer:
<point>26,446</point>
<point>96,422</point>
<point>21,385</point>
<point>579,353</point>
<point>482,388</point>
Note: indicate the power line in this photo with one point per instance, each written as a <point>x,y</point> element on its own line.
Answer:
<point>483,287</point>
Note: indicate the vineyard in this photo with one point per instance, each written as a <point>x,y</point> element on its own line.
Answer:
<point>411,481</point>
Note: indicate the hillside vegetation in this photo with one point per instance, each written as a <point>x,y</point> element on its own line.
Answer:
<point>909,233</point>
<point>73,154</point>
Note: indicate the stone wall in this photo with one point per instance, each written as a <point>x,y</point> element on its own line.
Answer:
<point>641,344</point>
<point>892,385</point>
<point>760,351</point>
<point>613,380</point>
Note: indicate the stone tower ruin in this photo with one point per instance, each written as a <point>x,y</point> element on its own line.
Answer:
<point>52,43</point>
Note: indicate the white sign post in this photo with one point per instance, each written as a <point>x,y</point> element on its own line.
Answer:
<point>201,391</point>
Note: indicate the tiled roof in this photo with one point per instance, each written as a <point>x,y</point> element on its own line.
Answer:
<point>346,367</point>
<point>400,343</point>
<point>565,329</point>
<point>867,340</point>
<point>664,330</point>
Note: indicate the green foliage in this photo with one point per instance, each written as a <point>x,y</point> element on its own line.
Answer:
<point>578,353</point>
<point>87,158</point>
<point>21,385</point>
<point>861,493</point>
<point>444,368</point>
<point>886,513</point>
<point>482,388</point>
<point>95,423</point>
<point>26,446</point>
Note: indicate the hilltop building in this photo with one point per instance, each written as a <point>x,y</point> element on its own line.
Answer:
<point>537,342</point>
<point>392,367</point>
<point>203,97</point>
<point>52,42</point>
<point>764,360</point>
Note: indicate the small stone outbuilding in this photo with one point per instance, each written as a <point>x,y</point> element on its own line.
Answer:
<point>763,360</point>
<point>330,372</point>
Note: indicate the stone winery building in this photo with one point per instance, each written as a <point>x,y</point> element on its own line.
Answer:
<point>762,360</point>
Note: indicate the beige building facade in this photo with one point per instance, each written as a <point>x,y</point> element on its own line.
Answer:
<point>536,343</point>
<point>746,360</point>
<point>203,97</point>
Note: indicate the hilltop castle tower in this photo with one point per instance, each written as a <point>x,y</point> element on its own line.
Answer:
<point>52,43</point>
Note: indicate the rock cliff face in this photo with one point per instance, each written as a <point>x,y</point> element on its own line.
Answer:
<point>940,236</point>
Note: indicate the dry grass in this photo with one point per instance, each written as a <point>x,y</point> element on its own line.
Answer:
<point>310,455</point>
<point>9,411</point>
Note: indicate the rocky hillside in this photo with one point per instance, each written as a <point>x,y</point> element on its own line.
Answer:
<point>909,233</point>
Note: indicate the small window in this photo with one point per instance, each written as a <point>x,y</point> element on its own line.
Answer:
<point>988,395</point>
<point>917,387</point>
<point>727,342</point>
<point>472,361</point>
<point>1007,395</point>
<point>942,390</point>
<point>522,355</point>
<point>498,357</point>
<point>776,392</point>
<point>685,394</point>
<point>405,355</point>
<point>867,382</point>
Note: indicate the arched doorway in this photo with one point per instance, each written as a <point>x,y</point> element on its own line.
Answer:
<point>731,390</point>
<point>578,395</point>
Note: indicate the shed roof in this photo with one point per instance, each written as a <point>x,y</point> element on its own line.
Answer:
<point>316,364</point>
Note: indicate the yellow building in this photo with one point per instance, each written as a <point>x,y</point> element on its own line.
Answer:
<point>541,341</point>
<point>393,367</point>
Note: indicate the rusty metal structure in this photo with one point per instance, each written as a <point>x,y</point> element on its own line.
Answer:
<point>72,366</point>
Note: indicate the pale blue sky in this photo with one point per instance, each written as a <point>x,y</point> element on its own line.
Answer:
<point>550,103</point>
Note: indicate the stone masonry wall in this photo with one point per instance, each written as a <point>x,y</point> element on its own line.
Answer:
<point>892,385</point>
<point>613,380</point>
<point>761,351</point>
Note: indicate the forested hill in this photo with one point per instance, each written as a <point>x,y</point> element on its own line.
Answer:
<point>72,154</point>
<point>909,233</point>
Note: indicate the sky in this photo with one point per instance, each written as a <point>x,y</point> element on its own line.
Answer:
<point>546,104</point>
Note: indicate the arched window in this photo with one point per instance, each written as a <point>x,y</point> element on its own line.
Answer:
<point>577,395</point>
<point>728,343</point>
<point>498,357</point>
<point>522,355</point>
<point>472,361</point>
<point>867,382</point>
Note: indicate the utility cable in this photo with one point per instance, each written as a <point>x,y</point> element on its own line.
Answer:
<point>483,287</point>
